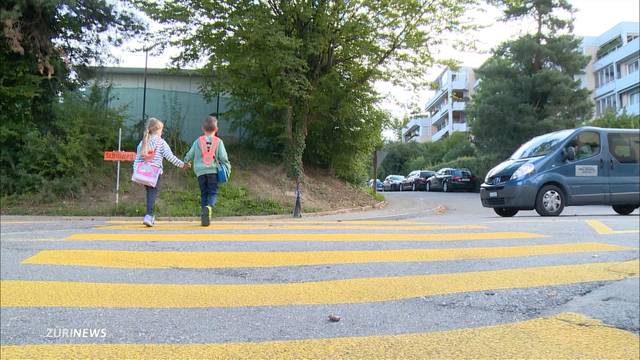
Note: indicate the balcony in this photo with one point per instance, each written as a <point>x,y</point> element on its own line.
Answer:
<point>619,54</point>
<point>628,81</point>
<point>460,127</point>
<point>459,106</point>
<point>604,89</point>
<point>440,134</point>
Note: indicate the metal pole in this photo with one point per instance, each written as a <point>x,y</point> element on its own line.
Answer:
<point>297,209</point>
<point>144,91</point>
<point>118,174</point>
<point>375,171</point>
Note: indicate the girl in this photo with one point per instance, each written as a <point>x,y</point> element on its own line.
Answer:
<point>152,149</point>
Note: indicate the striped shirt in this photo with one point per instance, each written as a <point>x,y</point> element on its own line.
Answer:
<point>162,151</point>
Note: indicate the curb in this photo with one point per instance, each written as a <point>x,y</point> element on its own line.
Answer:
<point>379,205</point>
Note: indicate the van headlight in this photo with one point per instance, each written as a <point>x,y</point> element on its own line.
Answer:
<point>523,171</point>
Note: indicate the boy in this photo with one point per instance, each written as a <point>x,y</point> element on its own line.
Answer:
<point>205,153</point>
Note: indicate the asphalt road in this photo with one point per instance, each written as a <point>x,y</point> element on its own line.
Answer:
<point>429,275</point>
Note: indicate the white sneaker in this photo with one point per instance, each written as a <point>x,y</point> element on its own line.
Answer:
<point>149,220</point>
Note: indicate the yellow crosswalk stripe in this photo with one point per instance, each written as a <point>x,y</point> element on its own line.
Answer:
<point>224,226</point>
<point>279,222</point>
<point>564,336</point>
<point>304,236</point>
<point>234,259</point>
<point>18,293</point>
<point>603,229</point>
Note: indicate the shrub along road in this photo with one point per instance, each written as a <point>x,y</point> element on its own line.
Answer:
<point>406,281</point>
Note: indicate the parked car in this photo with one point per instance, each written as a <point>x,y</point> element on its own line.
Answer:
<point>450,179</point>
<point>392,182</point>
<point>379,186</point>
<point>416,180</point>
<point>583,166</point>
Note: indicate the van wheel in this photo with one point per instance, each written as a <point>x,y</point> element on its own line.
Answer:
<point>624,209</point>
<point>550,201</point>
<point>505,212</point>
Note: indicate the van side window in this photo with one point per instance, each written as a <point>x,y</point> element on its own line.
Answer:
<point>586,143</point>
<point>625,147</point>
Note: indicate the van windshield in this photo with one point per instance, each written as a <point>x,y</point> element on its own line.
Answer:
<point>541,145</point>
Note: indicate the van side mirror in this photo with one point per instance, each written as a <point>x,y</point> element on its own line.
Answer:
<point>569,153</point>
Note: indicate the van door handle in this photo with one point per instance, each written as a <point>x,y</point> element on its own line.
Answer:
<point>601,163</point>
<point>611,164</point>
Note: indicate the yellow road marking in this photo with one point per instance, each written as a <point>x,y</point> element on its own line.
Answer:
<point>280,222</point>
<point>603,229</point>
<point>564,336</point>
<point>304,237</point>
<point>223,226</point>
<point>233,259</point>
<point>17,293</point>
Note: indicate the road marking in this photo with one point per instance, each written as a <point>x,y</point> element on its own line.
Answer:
<point>564,336</point>
<point>223,226</point>
<point>235,259</point>
<point>280,222</point>
<point>305,237</point>
<point>603,229</point>
<point>18,293</point>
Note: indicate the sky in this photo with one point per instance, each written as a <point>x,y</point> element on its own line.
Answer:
<point>592,18</point>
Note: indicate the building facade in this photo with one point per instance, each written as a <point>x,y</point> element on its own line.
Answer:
<point>173,96</point>
<point>445,112</point>
<point>418,129</point>
<point>613,75</point>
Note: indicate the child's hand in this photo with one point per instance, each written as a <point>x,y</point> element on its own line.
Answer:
<point>186,165</point>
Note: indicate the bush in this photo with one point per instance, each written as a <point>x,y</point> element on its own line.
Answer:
<point>56,155</point>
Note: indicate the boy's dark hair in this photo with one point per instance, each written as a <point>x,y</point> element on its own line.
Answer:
<point>210,124</point>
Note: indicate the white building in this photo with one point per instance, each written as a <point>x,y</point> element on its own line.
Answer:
<point>612,74</point>
<point>445,111</point>
<point>418,129</point>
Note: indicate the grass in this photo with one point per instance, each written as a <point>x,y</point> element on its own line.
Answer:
<point>179,196</point>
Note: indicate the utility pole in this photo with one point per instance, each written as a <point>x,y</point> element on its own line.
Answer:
<point>144,89</point>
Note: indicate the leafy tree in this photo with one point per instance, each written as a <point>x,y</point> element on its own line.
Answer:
<point>308,65</point>
<point>528,85</point>
<point>42,42</point>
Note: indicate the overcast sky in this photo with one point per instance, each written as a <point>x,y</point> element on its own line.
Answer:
<point>592,18</point>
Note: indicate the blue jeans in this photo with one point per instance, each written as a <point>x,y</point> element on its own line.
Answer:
<point>152,193</point>
<point>208,189</point>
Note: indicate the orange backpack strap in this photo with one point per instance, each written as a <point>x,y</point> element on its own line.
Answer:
<point>208,154</point>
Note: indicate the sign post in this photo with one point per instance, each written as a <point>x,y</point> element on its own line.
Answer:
<point>119,156</point>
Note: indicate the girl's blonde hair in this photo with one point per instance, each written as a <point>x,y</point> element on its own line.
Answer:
<point>152,126</point>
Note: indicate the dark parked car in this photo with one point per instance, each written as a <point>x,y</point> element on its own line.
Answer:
<point>392,182</point>
<point>449,179</point>
<point>416,180</point>
<point>379,186</point>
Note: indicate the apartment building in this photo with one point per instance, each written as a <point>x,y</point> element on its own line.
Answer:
<point>613,74</point>
<point>445,111</point>
<point>418,129</point>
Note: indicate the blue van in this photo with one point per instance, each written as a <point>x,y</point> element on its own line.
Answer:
<point>584,166</point>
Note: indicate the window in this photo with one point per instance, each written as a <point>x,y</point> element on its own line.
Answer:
<point>631,37</point>
<point>625,147</point>
<point>586,144</point>
<point>633,66</point>
<point>604,76</point>
<point>605,103</point>
<point>634,97</point>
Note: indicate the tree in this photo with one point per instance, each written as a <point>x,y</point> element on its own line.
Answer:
<point>612,120</point>
<point>305,65</point>
<point>42,42</point>
<point>528,86</point>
